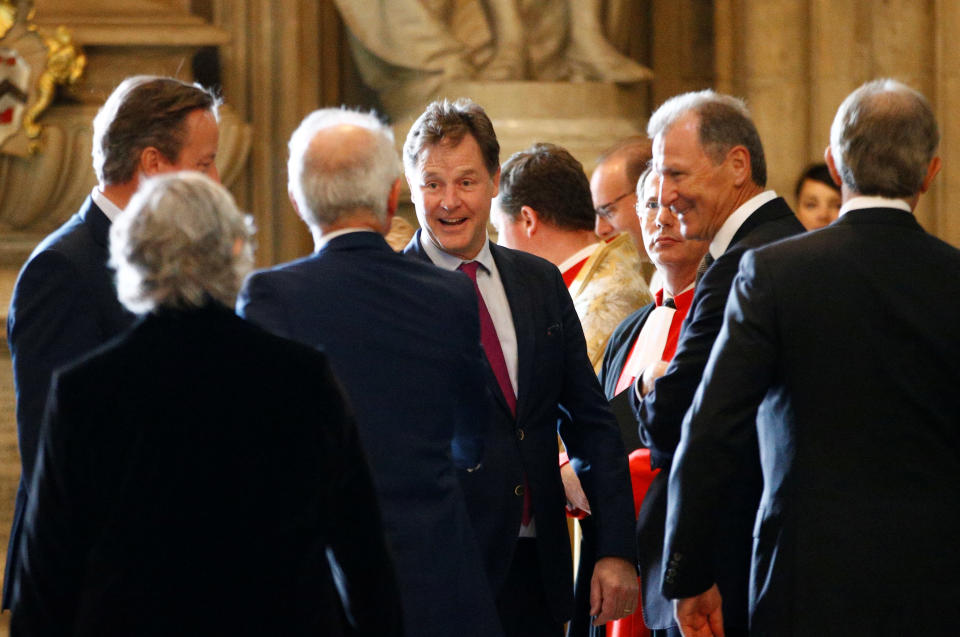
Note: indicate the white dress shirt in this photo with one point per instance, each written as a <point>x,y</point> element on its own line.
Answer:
<point>108,207</point>
<point>494,297</point>
<point>721,241</point>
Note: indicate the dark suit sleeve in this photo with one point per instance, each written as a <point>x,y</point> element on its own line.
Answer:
<point>362,565</point>
<point>719,430</point>
<point>660,414</point>
<point>50,570</point>
<point>53,321</point>
<point>259,303</point>
<point>593,441</point>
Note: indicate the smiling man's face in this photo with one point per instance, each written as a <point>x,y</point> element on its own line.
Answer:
<point>452,190</point>
<point>700,192</point>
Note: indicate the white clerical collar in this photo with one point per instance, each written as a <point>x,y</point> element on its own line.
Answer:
<point>721,241</point>
<point>110,209</point>
<point>326,237</point>
<point>451,262</point>
<point>861,201</point>
<point>580,255</point>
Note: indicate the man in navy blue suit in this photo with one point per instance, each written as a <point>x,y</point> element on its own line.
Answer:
<point>713,174</point>
<point>64,303</point>
<point>537,369</point>
<point>403,338</point>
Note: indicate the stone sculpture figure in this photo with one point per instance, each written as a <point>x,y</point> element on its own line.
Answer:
<point>408,49</point>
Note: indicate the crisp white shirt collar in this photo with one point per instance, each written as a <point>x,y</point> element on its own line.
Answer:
<point>721,241</point>
<point>108,207</point>
<point>328,236</point>
<point>452,262</point>
<point>580,255</point>
<point>860,202</point>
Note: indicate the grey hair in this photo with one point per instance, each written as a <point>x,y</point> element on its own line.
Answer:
<point>144,111</point>
<point>174,245</point>
<point>325,186</point>
<point>724,122</point>
<point>883,138</point>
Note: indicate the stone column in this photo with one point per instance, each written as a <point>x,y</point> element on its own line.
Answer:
<point>762,57</point>
<point>794,61</point>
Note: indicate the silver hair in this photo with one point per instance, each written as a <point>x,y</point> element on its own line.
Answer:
<point>174,246</point>
<point>883,138</point>
<point>144,111</point>
<point>327,186</point>
<point>724,122</point>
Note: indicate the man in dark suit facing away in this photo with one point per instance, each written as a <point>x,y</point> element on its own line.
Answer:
<point>710,161</point>
<point>404,339</point>
<point>846,338</point>
<point>64,303</point>
<point>195,473</point>
<point>537,368</point>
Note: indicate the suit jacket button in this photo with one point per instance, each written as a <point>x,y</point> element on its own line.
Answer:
<point>520,434</point>
<point>518,490</point>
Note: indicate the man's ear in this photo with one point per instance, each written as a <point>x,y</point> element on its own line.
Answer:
<point>496,183</point>
<point>738,159</point>
<point>832,167</point>
<point>530,219</point>
<point>152,161</point>
<point>393,200</point>
<point>932,171</point>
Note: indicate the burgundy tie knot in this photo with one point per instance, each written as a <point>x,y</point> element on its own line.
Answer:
<point>470,268</point>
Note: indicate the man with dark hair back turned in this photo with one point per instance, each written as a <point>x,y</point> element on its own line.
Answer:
<point>710,161</point>
<point>404,339</point>
<point>544,208</point>
<point>537,370</point>
<point>859,428</point>
<point>64,302</point>
<point>195,474</point>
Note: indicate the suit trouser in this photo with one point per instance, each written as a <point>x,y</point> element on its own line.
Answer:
<point>522,603</point>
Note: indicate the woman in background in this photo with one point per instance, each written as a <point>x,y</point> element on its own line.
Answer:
<point>818,197</point>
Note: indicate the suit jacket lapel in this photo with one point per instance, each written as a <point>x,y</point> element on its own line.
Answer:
<point>517,295</point>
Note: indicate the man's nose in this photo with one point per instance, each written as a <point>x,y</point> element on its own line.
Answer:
<point>602,228</point>
<point>665,217</point>
<point>668,192</point>
<point>451,198</point>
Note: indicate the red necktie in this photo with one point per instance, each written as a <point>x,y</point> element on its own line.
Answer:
<point>494,353</point>
<point>490,340</point>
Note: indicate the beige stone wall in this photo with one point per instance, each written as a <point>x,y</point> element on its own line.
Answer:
<point>795,60</point>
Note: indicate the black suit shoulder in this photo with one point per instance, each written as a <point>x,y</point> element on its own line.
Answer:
<point>619,346</point>
<point>170,436</point>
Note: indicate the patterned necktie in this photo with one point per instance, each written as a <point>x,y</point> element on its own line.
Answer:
<point>704,266</point>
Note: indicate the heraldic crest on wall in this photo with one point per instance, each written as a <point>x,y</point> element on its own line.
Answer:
<point>32,65</point>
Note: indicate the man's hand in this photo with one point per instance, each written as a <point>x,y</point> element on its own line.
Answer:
<point>700,616</point>
<point>650,374</point>
<point>573,490</point>
<point>613,590</point>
